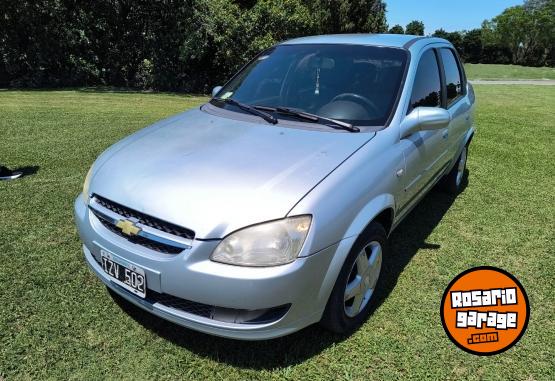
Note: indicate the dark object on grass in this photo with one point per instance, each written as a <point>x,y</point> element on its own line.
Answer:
<point>8,174</point>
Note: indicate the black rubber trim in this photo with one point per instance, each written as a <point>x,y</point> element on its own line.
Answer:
<point>399,90</point>
<point>411,42</point>
<point>443,82</point>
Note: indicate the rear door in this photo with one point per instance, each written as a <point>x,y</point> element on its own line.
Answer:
<point>456,101</point>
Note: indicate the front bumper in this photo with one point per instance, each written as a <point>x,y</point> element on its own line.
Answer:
<point>304,285</point>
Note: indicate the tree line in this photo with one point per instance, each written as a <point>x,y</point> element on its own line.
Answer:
<point>190,45</point>
<point>520,35</point>
<point>185,45</point>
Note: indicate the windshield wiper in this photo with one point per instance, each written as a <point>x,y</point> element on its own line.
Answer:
<point>311,117</point>
<point>243,106</point>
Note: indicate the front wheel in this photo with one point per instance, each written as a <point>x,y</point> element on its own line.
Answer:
<point>354,291</point>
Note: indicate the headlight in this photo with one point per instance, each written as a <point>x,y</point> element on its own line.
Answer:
<point>267,244</point>
<point>86,186</point>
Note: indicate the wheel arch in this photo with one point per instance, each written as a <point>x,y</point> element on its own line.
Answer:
<point>385,218</point>
<point>380,209</point>
<point>469,136</point>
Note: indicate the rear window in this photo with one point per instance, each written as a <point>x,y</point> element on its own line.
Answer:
<point>453,78</point>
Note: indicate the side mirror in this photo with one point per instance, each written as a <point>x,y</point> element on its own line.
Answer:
<point>423,119</point>
<point>216,90</point>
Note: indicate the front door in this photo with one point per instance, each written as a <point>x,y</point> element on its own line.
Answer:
<point>425,151</point>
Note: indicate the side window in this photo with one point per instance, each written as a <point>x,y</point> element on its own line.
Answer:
<point>426,90</point>
<point>453,81</point>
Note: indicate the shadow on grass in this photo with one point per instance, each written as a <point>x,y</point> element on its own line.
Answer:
<point>408,238</point>
<point>28,170</point>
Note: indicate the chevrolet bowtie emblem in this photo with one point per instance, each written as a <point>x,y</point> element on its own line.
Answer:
<point>128,227</point>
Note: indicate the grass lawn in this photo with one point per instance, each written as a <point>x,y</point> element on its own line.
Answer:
<point>58,321</point>
<point>507,72</point>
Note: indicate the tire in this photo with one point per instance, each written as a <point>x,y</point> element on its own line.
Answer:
<point>452,182</point>
<point>344,316</point>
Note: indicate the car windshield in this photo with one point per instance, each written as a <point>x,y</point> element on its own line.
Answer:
<point>356,84</point>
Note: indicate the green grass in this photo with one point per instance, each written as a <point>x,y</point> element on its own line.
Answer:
<point>57,320</point>
<point>507,72</point>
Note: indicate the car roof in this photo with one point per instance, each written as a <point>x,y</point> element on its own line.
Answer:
<point>391,40</point>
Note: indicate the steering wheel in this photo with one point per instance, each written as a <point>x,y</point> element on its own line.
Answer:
<point>357,98</point>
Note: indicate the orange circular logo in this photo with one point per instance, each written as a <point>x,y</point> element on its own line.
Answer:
<point>485,310</point>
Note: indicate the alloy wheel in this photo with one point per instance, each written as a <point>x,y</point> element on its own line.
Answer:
<point>362,279</point>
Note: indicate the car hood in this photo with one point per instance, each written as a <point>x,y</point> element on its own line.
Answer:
<point>214,175</point>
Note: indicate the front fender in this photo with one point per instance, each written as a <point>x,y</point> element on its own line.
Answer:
<point>366,215</point>
<point>331,229</point>
<point>369,212</point>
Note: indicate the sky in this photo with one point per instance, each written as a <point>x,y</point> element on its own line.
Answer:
<point>450,15</point>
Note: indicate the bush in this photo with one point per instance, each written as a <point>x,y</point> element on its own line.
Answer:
<point>187,45</point>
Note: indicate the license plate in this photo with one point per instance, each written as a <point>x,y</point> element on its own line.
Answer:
<point>127,275</point>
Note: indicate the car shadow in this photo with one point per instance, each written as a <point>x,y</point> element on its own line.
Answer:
<point>406,240</point>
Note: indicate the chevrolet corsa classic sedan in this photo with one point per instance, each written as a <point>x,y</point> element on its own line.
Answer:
<point>269,208</point>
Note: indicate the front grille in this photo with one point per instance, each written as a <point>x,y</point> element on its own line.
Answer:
<point>102,207</point>
<point>149,244</point>
<point>144,219</point>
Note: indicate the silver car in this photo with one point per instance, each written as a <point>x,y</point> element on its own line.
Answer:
<point>268,208</point>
